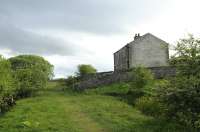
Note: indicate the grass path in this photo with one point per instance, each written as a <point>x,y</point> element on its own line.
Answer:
<point>90,112</point>
<point>78,117</point>
<point>51,112</point>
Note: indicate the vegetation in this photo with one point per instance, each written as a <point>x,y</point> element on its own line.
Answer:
<point>71,81</point>
<point>144,104</point>
<point>142,77</point>
<point>150,106</point>
<point>20,77</point>
<point>176,98</point>
<point>84,69</point>
<point>29,61</point>
<point>6,80</point>
<point>182,93</point>
<point>143,91</point>
<point>142,82</point>
<point>32,72</point>
<point>7,86</point>
<point>173,98</point>
<point>92,111</point>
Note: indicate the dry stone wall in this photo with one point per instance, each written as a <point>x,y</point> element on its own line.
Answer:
<point>105,78</point>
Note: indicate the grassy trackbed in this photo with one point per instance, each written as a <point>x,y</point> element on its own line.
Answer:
<point>91,111</point>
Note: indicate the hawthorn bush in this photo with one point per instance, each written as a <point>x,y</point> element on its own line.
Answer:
<point>182,93</point>
<point>32,72</point>
<point>150,106</point>
<point>143,92</point>
<point>142,82</point>
<point>22,76</point>
<point>7,86</point>
<point>84,69</point>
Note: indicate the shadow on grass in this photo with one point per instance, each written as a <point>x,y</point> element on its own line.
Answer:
<point>155,125</point>
<point>128,97</point>
<point>163,125</point>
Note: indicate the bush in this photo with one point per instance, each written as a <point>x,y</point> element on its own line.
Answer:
<point>32,61</point>
<point>150,106</point>
<point>6,101</point>
<point>142,80</point>
<point>20,77</point>
<point>7,87</point>
<point>84,69</point>
<point>182,96</point>
<point>133,95</point>
<point>31,80</point>
<point>70,81</point>
<point>32,72</point>
<point>182,93</point>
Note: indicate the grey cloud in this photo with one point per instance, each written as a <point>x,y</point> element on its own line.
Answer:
<point>100,17</point>
<point>23,41</point>
<point>95,16</point>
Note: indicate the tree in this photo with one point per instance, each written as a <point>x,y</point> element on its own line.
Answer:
<point>187,57</point>
<point>182,94</point>
<point>32,61</point>
<point>84,69</point>
<point>6,78</point>
<point>32,73</point>
<point>7,87</point>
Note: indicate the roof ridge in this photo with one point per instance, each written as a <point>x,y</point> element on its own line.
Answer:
<point>140,39</point>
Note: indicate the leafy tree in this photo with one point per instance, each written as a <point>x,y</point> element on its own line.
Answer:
<point>7,87</point>
<point>32,73</point>
<point>187,57</point>
<point>84,69</point>
<point>182,93</point>
<point>32,61</point>
<point>6,78</point>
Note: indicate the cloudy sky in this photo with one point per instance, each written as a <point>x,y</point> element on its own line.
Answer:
<point>72,32</point>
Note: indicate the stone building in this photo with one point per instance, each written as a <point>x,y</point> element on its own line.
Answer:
<point>147,50</point>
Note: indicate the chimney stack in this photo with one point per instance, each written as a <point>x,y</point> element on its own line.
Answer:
<point>136,36</point>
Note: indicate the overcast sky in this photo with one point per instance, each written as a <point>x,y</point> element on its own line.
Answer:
<point>72,32</point>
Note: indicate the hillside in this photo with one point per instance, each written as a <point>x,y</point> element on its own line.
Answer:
<point>92,111</point>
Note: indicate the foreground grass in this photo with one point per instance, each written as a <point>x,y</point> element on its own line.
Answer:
<point>92,111</point>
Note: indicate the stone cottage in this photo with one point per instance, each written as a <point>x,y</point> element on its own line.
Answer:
<point>147,50</point>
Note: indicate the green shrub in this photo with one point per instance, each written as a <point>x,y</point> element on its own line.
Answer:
<point>29,61</point>
<point>142,81</point>
<point>30,81</point>
<point>6,78</point>
<point>32,72</point>
<point>149,106</point>
<point>134,94</point>
<point>182,93</point>
<point>84,69</point>
<point>7,87</point>
<point>20,77</point>
<point>182,96</point>
<point>70,81</point>
<point>6,101</point>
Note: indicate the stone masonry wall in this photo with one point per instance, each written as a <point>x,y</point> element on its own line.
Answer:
<point>105,78</point>
<point>148,51</point>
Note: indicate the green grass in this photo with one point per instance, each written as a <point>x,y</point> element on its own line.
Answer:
<point>91,111</point>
